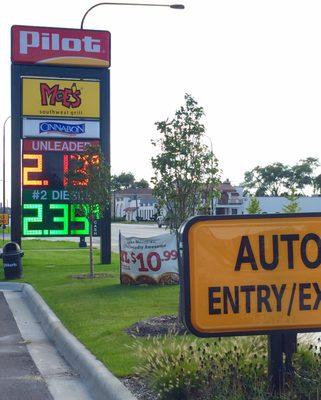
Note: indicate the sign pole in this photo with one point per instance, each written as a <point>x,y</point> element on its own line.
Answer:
<point>275,367</point>
<point>15,155</point>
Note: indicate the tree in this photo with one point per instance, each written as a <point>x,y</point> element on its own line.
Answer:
<point>185,170</point>
<point>254,206</point>
<point>88,185</point>
<point>300,175</point>
<point>293,205</point>
<point>142,184</point>
<point>124,180</point>
<point>266,181</point>
<point>277,179</point>
<point>317,184</point>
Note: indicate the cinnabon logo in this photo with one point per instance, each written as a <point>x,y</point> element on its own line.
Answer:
<point>69,98</point>
<point>55,42</point>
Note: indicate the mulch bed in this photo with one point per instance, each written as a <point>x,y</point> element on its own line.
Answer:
<point>157,326</point>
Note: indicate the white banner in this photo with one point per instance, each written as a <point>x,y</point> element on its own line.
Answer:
<point>54,128</point>
<point>151,260</point>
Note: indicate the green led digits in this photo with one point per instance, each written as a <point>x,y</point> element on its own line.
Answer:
<point>80,219</point>
<point>54,219</point>
<point>36,218</point>
<point>61,219</point>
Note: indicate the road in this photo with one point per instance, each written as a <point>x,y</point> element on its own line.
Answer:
<point>140,230</point>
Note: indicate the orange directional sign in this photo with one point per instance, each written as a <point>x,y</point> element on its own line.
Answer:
<point>251,274</point>
<point>4,219</point>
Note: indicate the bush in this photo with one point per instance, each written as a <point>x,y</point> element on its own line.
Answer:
<point>227,369</point>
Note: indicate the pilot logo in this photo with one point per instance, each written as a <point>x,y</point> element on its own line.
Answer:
<point>69,98</point>
<point>49,127</point>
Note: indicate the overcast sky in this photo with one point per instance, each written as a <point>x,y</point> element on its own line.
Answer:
<point>255,67</point>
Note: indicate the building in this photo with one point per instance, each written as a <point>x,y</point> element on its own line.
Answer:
<point>231,200</point>
<point>271,205</point>
<point>134,205</point>
<point>234,202</point>
<point>140,205</point>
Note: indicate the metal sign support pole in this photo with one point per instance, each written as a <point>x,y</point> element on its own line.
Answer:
<point>15,154</point>
<point>275,352</point>
<point>105,234</point>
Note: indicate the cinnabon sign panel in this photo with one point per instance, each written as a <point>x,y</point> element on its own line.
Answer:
<point>40,45</point>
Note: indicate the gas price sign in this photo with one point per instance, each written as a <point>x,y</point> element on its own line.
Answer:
<point>46,207</point>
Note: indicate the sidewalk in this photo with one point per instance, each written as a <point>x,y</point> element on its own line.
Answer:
<point>30,367</point>
<point>19,376</point>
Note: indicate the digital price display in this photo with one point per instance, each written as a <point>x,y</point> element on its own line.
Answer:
<point>55,219</point>
<point>46,207</point>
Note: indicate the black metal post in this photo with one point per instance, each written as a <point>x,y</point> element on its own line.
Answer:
<point>105,227</point>
<point>289,348</point>
<point>275,350</point>
<point>16,154</point>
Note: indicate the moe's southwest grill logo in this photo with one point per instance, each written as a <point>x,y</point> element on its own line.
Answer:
<point>67,97</point>
<point>60,98</point>
<point>49,127</point>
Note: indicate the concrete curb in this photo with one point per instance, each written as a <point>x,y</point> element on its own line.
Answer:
<point>102,383</point>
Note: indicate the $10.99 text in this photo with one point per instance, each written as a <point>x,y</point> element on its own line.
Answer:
<point>150,262</point>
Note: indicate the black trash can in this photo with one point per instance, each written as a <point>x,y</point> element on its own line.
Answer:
<point>12,263</point>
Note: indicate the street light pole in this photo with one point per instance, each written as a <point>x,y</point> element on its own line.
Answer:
<point>106,236</point>
<point>175,6</point>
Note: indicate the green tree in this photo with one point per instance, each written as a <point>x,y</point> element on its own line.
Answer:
<point>185,169</point>
<point>317,184</point>
<point>124,180</point>
<point>89,187</point>
<point>277,179</point>
<point>293,205</point>
<point>254,206</point>
<point>142,184</point>
<point>266,181</point>
<point>301,174</point>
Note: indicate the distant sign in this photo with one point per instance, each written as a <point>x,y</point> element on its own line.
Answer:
<point>252,274</point>
<point>60,98</point>
<point>41,45</point>
<point>53,128</point>
<point>149,260</point>
<point>4,219</point>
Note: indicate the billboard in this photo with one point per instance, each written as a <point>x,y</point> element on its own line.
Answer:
<point>57,128</point>
<point>60,46</point>
<point>60,98</point>
<point>252,274</point>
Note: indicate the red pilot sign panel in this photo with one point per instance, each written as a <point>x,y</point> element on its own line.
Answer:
<point>252,274</point>
<point>41,45</point>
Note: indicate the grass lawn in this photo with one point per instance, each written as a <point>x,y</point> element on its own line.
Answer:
<point>95,311</point>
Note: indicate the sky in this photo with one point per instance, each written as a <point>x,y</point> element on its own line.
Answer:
<point>254,65</point>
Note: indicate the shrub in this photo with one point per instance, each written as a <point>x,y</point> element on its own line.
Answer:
<point>223,369</point>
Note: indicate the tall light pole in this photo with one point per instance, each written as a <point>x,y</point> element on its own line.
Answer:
<point>105,236</point>
<point>175,6</point>
<point>212,164</point>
